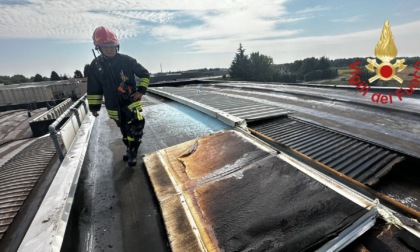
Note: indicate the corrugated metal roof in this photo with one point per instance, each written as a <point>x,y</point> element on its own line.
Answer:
<point>360,160</point>
<point>19,175</point>
<point>242,108</point>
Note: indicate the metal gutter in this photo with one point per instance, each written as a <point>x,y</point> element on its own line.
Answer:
<point>72,110</point>
<point>48,227</point>
<point>351,233</point>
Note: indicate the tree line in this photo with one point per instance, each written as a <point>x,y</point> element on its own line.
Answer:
<point>260,68</point>
<point>18,78</point>
<point>253,67</point>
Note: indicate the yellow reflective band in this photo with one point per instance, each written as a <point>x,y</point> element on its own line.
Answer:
<point>136,105</point>
<point>94,102</point>
<point>139,116</point>
<point>113,114</point>
<point>143,82</point>
<point>95,97</point>
<point>132,139</point>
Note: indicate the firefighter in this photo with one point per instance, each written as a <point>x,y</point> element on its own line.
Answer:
<point>112,76</point>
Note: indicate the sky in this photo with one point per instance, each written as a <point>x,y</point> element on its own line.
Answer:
<point>40,36</point>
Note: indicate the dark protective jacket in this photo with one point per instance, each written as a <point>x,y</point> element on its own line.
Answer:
<point>105,78</point>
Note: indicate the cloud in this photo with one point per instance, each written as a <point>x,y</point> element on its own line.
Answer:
<point>337,46</point>
<point>224,26</point>
<point>75,20</point>
<point>230,23</point>
<point>160,17</point>
<point>353,19</point>
<point>13,2</point>
<point>55,20</point>
<point>203,26</point>
<point>290,20</point>
<point>313,10</point>
<point>284,50</point>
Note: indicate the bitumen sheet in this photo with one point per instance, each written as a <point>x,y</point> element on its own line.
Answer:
<point>224,192</point>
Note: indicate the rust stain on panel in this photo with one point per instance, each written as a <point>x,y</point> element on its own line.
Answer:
<point>161,181</point>
<point>180,232</point>
<point>213,153</point>
<point>211,156</point>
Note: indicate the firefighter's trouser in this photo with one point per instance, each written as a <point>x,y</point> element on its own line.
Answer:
<point>132,141</point>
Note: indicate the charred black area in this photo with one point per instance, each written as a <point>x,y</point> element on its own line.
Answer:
<point>275,207</point>
<point>385,237</point>
<point>408,170</point>
<point>403,183</point>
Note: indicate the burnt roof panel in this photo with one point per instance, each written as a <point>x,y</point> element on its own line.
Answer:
<point>242,197</point>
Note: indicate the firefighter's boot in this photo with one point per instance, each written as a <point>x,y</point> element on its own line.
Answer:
<point>127,153</point>
<point>126,156</point>
<point>132,159</point>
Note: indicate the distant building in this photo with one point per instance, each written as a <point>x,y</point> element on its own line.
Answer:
<point>189,74</point>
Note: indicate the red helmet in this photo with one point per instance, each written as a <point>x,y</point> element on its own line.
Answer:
<point>104,36</point>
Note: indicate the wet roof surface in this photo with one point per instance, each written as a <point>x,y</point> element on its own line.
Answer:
<point>120,210</point>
